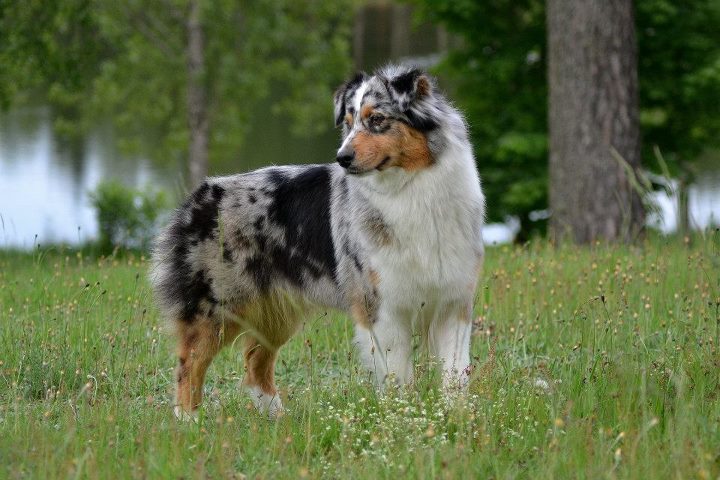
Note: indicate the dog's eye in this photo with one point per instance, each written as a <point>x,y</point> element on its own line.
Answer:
<point>376,119</point>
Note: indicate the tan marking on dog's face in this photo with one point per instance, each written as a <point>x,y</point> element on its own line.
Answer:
<point>400,146</point>
<point>366,111</point>
<point>415,151</point>
<point>348,119</point>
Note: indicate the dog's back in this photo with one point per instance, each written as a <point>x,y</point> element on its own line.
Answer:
<point>239,237</point>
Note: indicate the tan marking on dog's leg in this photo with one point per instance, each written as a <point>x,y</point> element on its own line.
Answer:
<point>366,111</point>
<point>260,377</point>
<point>198,343</point>
<point>269,322</point>
<point>363,306</point>
<point>359,312</point>
<point>374,278</point>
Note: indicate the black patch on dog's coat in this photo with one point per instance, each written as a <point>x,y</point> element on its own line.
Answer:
<point>261,241</point>
<point>405,83</point>
<point>198,288</point>
<point>276,177</point>
<point>193,223</point>
<point>301,208</point>
<point>420,122</point>
<point>256,266</point>
<point>227,253</point>
<point>204,211</point>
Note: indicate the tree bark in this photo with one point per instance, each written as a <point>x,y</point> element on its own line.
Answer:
<point>196,96</point>
<point>593,109</point>
<point>683,206</point>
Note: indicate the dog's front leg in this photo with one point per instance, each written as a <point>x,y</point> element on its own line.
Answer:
<point>386,349</point>
<point>450,343</point>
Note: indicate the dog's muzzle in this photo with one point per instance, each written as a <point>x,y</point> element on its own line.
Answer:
<point>345,160</point>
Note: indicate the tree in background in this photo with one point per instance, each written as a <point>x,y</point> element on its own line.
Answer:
<point>184,71</point>
<point>499,79</point>
<point>593,116</point>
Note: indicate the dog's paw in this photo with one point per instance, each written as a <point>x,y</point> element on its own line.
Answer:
<point>185,416</point>
<point>454,381</point>
<point>267,404</point>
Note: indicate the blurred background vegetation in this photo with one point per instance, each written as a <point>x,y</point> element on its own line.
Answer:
<point>161,93</point>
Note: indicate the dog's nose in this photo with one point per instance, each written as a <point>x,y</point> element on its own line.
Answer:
<point>345,160</point>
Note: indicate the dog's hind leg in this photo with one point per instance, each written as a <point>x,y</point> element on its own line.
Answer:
<point>198,343</point>
<point>260,376</point>
<point>272,321</point>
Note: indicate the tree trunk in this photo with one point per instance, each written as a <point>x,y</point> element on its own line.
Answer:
<point>196,96</point>
<point>593,109</point>
<point>683,201</point>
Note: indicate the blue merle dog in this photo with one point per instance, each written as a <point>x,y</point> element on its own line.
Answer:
<point>389,233</point>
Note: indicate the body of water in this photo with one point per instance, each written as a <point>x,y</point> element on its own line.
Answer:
<point>704,204</point>
<point>44,183</point>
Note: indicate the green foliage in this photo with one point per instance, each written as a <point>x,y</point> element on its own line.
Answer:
<point>499,78</point>
<point>127,60</point>
<point>679,70</point>
<point>592,363</point>
<point>127,217</point>
<point>46,39</point>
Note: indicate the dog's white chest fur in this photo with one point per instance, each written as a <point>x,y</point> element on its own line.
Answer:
<point>435,219</point>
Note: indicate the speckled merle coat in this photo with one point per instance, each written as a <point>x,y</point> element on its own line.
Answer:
<point>390,233</point>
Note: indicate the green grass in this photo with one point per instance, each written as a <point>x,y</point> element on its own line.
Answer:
<point>595,362</point>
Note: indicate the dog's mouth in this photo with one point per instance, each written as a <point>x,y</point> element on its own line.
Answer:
<point>355,171</point>
<point>352,170</point>
<point>380,165</point>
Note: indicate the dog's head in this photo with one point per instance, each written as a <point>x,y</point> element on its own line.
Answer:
<point>386,119</point>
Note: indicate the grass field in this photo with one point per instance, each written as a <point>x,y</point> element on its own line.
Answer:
<point>599,362</point>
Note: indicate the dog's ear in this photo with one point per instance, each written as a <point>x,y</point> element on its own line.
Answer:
<point>341,95</point>
<point>409,87</point>
<point>339,101</point>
